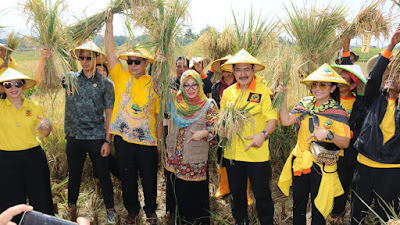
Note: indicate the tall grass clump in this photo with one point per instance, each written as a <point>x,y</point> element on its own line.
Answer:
<point>13,41</point>
<point>316,32</point>
<point>254,34</point>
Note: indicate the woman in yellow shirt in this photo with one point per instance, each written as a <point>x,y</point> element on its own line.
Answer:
<point>24,171</point>
<point>319,119</point>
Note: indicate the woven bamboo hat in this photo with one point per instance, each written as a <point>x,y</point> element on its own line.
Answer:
<point>324,73</point>
<point>357,71</point>
<point>216,65</point>
<point>5,46</point>
<point>90,46</point>
<point>11,74</point>
<point>242,57</point>
<point>137,52</point>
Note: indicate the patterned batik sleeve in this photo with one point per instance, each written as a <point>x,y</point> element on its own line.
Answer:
<point>211,117</point>
<point>109,96</point>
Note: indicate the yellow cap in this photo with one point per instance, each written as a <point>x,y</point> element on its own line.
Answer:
<point>11,74</point>
<point>324,73</point>
<point>137,52</point>
<point>90,46</point>
<point>216,65</point>
<point>242,57</point>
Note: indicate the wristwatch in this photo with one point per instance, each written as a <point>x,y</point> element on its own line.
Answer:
<point>330,136</point>
<point>108,141</point>
<point>265,134</point>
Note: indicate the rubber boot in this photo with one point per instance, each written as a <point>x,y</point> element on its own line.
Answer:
<point>249,198</point>
<point>223,186</point>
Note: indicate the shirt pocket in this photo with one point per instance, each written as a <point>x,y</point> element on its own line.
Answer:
<point>196,152</point>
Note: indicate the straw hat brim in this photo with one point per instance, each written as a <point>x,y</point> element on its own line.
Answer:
<point>7,48</point>
<point>11,74</point>
<point>242,57</point>
<point>324,74</point>
<point>354,69</point>
<point>137,52</point>
<point>216,65</point>
<point>89,46</point>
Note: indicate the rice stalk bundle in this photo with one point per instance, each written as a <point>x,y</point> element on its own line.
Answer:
<point>396,2</point>
<point>214,44</point>
<point>83,29</point>
<point>162,20</point>
<point>286,70</point>
<point>47,27</point>
<point>231,121</point>
<point>372,20</point>
<point>255,36</point>
<point>315,32</point>
<point>13,41</point>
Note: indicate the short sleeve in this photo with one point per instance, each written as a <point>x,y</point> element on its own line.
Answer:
<point>109,97</point>
<point>267,110</point>
<point>116,72</point>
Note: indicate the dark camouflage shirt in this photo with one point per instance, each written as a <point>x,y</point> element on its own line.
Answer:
<point>84,110</point>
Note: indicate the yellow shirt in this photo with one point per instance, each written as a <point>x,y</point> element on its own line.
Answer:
<point>12,64</point>
<point>336,127</point>
<point>388,128</point>
<point>17,130</point>
<point>135,108</point>
<point>259,97</point>
<point>347,104</point>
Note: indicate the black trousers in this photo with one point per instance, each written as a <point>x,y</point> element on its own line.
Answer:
<point>346,176</point>
<point>380,185</point>
<point>260,176</point>
<point>303,186</point>
<point>131,159</point>
<point>76,156</point>
<point>25,175</point>
<point>187,201</point>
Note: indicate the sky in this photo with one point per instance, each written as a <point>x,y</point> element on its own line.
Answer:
<point>215,13</point>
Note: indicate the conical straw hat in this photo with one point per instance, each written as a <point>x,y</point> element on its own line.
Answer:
<point>324,73</point>
<point>5,46</point>
<point>89,45</point>
<point>216,65</point>
<point>137,52</point>
<point>11,74</point>
<point>242,57</point>
<point>357,71</point>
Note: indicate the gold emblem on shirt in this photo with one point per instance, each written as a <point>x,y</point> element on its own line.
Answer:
<point>94,85</point>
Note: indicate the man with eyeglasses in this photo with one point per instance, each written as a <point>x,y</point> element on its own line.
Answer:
<point>89,96</point>
<point>137,142</point>
<point>249,157</point>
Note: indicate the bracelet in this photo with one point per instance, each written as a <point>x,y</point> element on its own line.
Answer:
<point>266,134</point>
<point>108,141</point>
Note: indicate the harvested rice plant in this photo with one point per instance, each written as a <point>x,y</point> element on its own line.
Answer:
<point>290,48</point>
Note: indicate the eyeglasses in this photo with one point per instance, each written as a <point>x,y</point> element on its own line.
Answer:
<point>82,58</point>
<point>245,70</point>
<point>193,87</point>
<point>136,61</point>
<point>17,84</point>
<point>321,86</point>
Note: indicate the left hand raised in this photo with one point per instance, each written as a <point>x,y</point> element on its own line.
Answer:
<point>198,135</point>
<point>257,140</point>
<point>105,149</point>
<point>44,124</point>
<point>319,133</point>
<point>198,67</point>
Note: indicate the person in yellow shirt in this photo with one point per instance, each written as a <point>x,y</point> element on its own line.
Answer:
<point>133,122</point>
<point>249,158</point>
<point>5,59</point>
<point>321,120</point>
<point>24,171</point>
<point>377,175</point>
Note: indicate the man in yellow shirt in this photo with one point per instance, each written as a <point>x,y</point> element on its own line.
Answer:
<point>133,123</point>
<point>377,175</point>
<point>249,158</point>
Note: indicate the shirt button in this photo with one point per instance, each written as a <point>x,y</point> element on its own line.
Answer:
<point>17,124</point>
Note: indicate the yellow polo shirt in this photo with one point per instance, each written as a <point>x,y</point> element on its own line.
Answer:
<point>135,107</point>
<point>258,96</point>
<point>388,128</point>
<point>347,104</point>
<point>12,64</point>
<point>17,129</point>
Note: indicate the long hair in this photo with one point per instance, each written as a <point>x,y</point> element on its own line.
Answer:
<point>335,95</point>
